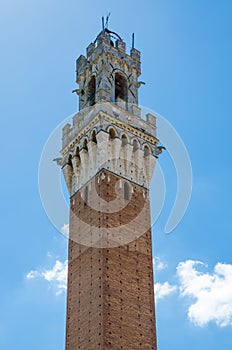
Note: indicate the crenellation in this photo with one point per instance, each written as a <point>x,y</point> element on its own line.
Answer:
<point>103,36</point>
<point>135,54</point>
<point>90,49</point>
<point>135,110</point>
<point>151,119</point>
<point>115,152</point>
<point>66,130</point>
<point>105,60</point>
<point>104,115</point>
<point>83,122</point>
<point>120,45</point>
<point>80,64</point>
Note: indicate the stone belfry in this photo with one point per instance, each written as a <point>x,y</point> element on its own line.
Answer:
<point>108,157</point>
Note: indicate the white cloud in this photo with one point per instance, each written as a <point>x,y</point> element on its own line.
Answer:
<point>65,229</point>
<point>163,289</point>
<point>32,274</point>
<point>159,264</point>
<point>56,276</point>
<point>212,293</point>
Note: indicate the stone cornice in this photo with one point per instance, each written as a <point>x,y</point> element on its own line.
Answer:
<point>111,121</point>
<point>110,114</point>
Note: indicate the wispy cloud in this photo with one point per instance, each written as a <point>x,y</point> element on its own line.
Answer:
<point>65,229</point>
<point>163,289</point>
<point>211,292</point>
<point>56,276</point>
<point>159,264</point>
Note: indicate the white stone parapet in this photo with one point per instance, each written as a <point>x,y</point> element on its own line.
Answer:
<point>86,118</point>
<point>108,137</point>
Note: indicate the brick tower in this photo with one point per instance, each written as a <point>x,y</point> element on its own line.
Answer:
<point>108,158</point>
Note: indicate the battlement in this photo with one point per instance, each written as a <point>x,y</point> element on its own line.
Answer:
<point>105,45</point>
<point>119,117</point>
<point>107,136</point>
<point>119,44</point>
<point>108,72</point>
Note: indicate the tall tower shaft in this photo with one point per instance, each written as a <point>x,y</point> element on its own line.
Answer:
<point>108,158</point>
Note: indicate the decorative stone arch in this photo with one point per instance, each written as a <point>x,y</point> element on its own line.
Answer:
<point>123,72</point>
<point>69,160</point>
<point>136,144</point>
<point>93,135</point>
<point>112,132</point>
<point>146,149</point>
<point>77,152</point>
<point>84,144</point>
<point>76,159</point>
<point>124,139</point>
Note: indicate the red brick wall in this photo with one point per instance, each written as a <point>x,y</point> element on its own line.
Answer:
<point>110,299</point>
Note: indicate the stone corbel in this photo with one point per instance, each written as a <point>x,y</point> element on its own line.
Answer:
<point>68,176</point>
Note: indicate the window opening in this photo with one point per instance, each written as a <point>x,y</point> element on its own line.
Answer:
<point>92,91</point>
<point>120,87</point>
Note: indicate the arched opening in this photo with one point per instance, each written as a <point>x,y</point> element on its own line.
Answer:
<point>146,151</point>
<point>135,145</point>
<point>91,90</point>
<point>112,134</point>
<point>77,155</point>
<point>69,162</point>
<point>77,152</point>
<point>93,136</point>
<point>120,87</point>
<point>85,147</point>
<point>124,140</point>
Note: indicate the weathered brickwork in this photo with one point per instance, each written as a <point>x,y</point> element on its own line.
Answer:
<point>110,300</point>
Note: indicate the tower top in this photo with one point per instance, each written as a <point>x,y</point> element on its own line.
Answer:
<point>108,131</point>
<point>108,73</point>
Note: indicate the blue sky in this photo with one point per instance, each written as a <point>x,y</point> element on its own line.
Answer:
<point>186,64</point>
